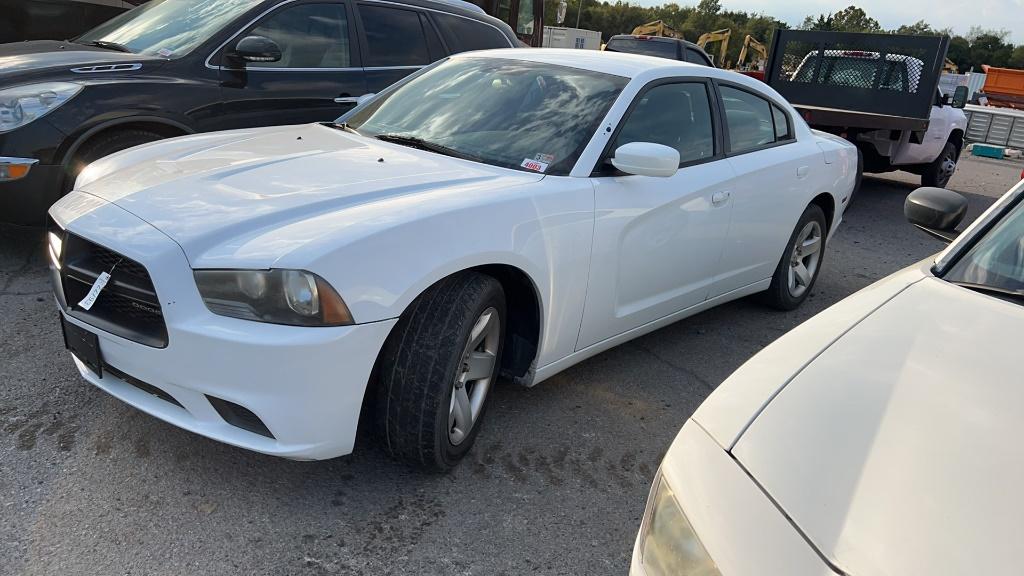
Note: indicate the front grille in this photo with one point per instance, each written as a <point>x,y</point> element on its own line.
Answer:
<point>128,306</point>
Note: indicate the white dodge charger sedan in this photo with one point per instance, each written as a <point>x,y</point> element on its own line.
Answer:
<point>509,213</point>
<point>881,437</point>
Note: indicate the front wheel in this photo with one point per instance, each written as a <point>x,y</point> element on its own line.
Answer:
<point>438,368</point>
<point>941,169</point>
<point>800,264</point>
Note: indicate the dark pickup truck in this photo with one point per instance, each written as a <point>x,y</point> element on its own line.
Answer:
<point>879,91</point>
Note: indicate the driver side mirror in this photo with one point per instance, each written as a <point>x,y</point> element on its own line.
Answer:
<point>646,159</point>
<point>937,211</point>
<point>257,49</point>
<point>960,97</point>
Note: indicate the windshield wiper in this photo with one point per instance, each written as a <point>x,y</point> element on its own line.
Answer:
<point>414,142</point>
<point>108,45</point>
<point>343,126</point>
<point>1004,293</point>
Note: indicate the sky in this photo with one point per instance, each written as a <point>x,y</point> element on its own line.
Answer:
<point>959,15</point>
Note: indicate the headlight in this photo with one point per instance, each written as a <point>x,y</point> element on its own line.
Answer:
<point>23,104</point>
<point>291,297</point>
<point>668,544</point>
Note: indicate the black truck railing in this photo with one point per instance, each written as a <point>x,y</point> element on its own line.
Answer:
<point>871,74</point>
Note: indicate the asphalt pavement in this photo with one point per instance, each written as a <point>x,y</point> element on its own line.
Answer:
<point>556,483</point>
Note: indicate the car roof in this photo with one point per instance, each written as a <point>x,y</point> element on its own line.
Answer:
<point>616,63</point>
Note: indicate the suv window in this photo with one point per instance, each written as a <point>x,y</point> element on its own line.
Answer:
<point>310,36</point>
<point>696,57</point>
<point>676,115</point>
<point>394,37</point>
<point>749,119</point>
<point>463,34</point>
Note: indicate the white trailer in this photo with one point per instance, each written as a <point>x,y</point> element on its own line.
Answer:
<point>558,37</point>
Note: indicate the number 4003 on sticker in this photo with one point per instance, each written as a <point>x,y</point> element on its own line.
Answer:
<point>534,165</point>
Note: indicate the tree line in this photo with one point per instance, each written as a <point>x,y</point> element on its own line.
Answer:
<point>979,46</point>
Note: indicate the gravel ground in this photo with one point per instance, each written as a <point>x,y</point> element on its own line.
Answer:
<point>555,485</point>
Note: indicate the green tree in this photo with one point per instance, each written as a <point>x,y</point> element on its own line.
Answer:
<point>1017,57</point>
<point>849,19</point>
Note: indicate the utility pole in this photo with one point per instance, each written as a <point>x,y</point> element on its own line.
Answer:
<point>578,12</point>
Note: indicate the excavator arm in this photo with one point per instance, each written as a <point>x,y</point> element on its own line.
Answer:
<point>721,36</point>
<point>749,43</point>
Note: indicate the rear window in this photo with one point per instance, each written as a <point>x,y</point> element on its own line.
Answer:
<point>696,57</point>
<point>463,34</point>
<point>648,47</point>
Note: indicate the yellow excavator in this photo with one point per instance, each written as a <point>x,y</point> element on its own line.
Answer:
<point>657,28</point>
<point>750,44</point>
<point>717,36</point>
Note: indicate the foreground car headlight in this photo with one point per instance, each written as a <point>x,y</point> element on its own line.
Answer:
<point>23,104</point>
<point>668,544</point>
<point>293,297</point>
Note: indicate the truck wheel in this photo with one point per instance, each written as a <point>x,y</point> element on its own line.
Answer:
<point>437,370</point>
<point>106,144</point>
<point>800,264</point>
<point>941,169</point>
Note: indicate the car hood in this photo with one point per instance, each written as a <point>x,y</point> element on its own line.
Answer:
<point>897,449</point>
<point>214,193</point>
<point>46,58</point>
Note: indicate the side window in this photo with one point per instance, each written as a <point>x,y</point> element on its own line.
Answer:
<point>394,37</point>
<point>782,128</point>
<point>463,34</point>
<point>310,36</point>
<point>748,118</point>
<point>696,57</point>
<point>676,115</point>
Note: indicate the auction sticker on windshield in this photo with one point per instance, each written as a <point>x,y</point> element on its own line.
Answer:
<point>535,165</point>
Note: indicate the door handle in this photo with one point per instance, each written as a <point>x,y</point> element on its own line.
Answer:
<point>802,171</point>
<point>348,99</point>
<point>719,198</point>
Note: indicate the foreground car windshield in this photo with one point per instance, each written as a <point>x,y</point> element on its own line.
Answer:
<point>168,28</point>
<point>997,260</point>
<point>509,113</point>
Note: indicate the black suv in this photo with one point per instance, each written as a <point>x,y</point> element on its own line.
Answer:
<point>671,48</point>
<point>174,67</point>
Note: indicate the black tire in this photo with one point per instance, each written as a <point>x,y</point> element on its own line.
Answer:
<point>105,144</point>
<point>419,366</point>
<point>778,294</point>
<point>938,173</point>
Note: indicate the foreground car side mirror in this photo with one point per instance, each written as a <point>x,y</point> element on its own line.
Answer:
<point>937,211</point>
<point>960,97</point>
<point>646,159</point>
<point>257,49</point>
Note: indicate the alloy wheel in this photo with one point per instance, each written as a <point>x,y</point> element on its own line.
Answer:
<point>806,256</point>
<point>474,376</point>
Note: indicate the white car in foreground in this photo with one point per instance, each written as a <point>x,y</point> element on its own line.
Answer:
<point>510,212</point>
<point>880,437</point>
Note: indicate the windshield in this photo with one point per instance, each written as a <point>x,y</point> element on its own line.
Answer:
<point>509,113</point>
<point>659,48</point>
<point>167,28</point>
<point>997,259</point>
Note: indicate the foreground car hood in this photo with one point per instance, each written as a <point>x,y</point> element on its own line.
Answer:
<point>897,450</point>
<point>215,192</point>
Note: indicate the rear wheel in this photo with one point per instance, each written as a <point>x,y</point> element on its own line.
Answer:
<point>438,369</point>
<point>941,169</point>
<point>799,267</point>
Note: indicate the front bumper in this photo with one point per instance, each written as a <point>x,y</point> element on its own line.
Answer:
<point>305,385</point>
<point>24,201</point>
